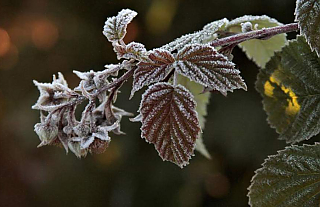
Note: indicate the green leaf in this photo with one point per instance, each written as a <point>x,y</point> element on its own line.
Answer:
<point>308,17</point>
<point>290,87</point>
<point>202,100</point>
<point>260,51</point>
<point>290,178</point>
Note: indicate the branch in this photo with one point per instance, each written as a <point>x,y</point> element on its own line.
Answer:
<point>258,34</point>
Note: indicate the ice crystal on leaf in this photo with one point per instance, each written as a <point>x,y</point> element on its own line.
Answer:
<point>133,50</point>
<point>207,34</point>
<point>155,69</point>
<point>170,122</point>
<point>204,65</point>
<point>116,27</point>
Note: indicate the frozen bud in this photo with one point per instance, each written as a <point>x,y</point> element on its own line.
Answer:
<point>81,130</point>
<point>68,129</point>
<point>46,133</point>
<point>246,27</point>
<point>86,141</point>
<point>75,147</point>
<point>99,146</point>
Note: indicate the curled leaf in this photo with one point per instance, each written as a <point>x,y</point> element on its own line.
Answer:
<point>116,27</point>
<point>170,122</point>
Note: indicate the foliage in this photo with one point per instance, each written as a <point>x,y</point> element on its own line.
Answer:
<point>180,76</point>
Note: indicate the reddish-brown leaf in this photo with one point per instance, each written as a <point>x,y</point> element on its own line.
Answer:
<point>153,70</point>
<point>170,122</point>
<point>204,65</point>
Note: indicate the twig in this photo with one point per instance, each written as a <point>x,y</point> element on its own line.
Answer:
<point>263,33</point>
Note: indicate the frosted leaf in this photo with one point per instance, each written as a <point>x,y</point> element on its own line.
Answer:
<point>170,122</point>
<point>133,50</point>
<point>47,133</point>
<point>59,80</point>
<point>86,141</point>
<point>112,69</point>
<point>154,70</point>
<point>115,28</point>
<point>75,147</point>
<point>307,14</point>
<point>259,50</point>
<point>207,34</point>
<point>87,81</point>
<point>204,65</point>
<point>81,130</point>
<point>102,132</point>
<point>290,87</point>
<point>290,178</point>
<point>51,96</point>
<point>202,100</point>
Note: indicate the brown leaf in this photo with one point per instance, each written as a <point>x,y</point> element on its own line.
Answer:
<point>153,70</point>
<point>170,122</point>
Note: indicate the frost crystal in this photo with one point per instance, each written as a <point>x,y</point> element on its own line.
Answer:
<point>115,27</point>
<point>204,65</point>
<point>170,122</point>
<point>207,34</point>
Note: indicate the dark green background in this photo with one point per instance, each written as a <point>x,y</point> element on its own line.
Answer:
<point>129,173</point>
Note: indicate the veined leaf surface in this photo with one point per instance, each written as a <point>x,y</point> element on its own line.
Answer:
<point>170,122</point>
<point>290,87</point>
<point>115,28</point>
<point>290,178</point>
<point>308,17</point>
<point>202,100</point>
<point>204,65</point>
<point>153,70</point>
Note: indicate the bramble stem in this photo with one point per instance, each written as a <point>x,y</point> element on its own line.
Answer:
<point>263,33</point>
<point>231,40</point>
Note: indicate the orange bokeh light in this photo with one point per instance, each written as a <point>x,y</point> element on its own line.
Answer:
<point>44,34</point>
<point>4,42</point>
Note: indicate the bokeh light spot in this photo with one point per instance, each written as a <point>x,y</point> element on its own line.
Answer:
<point>44,34</point>
<point>4,42</point>
<point>10,59</point>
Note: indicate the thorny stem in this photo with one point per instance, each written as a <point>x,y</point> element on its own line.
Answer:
<point>226,41</point>
<point>263,33</point>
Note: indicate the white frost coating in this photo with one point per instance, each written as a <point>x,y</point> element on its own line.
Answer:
<point>169,121</point>
<point>246,27</point>
<point>115,27</point>
<point>204,65</point>
<point>253,19</point>
<point>85,142</point>
<point>207,34</point>
<point>154,70</point>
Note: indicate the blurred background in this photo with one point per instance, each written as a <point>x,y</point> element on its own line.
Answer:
<point>39,38</point>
